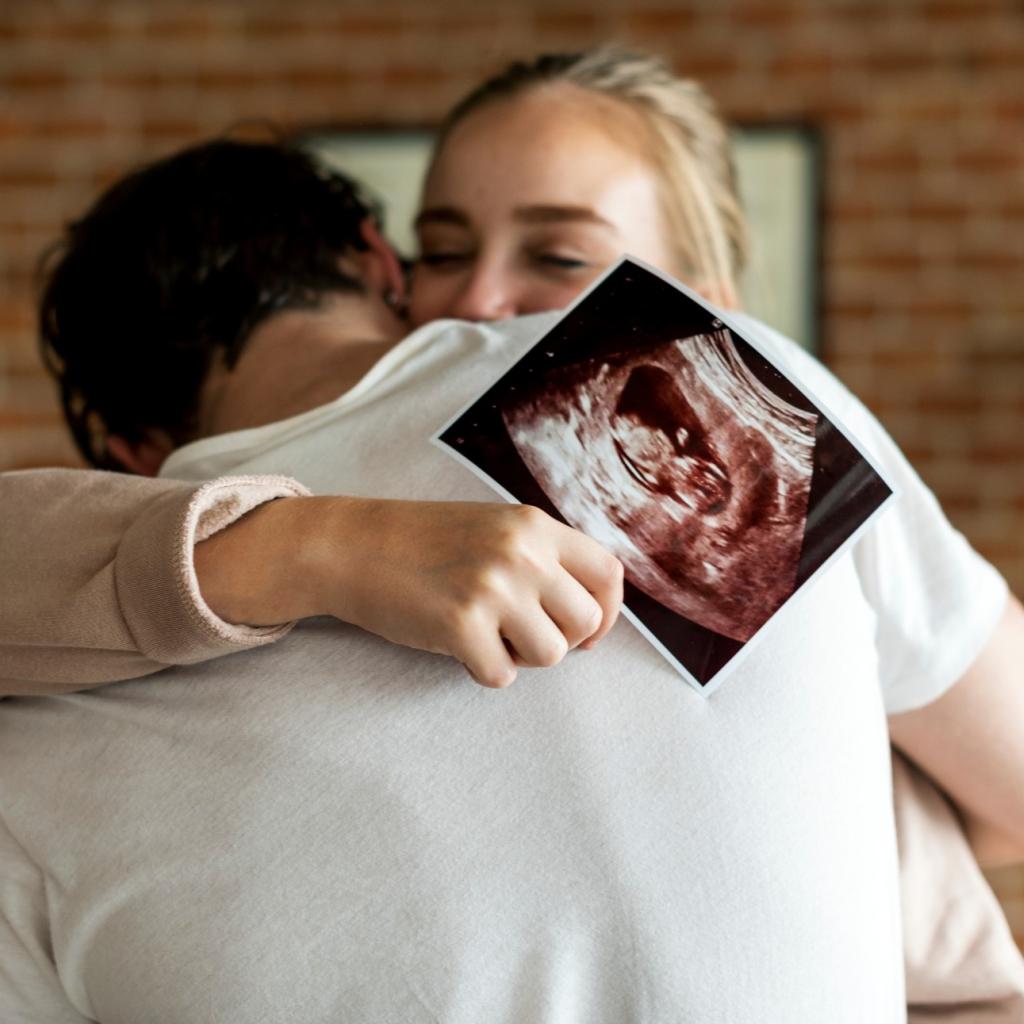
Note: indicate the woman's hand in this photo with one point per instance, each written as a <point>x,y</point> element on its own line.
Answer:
<point>492,585</point>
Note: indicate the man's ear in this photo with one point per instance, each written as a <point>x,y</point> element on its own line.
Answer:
<point>382,268</point>
<point>143,457</point>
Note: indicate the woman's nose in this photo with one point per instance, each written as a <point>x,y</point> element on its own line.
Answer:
<point>487,294</point>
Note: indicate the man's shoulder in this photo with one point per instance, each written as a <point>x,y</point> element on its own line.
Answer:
<point>434,358</point>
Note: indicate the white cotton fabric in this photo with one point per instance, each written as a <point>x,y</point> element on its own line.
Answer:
<point>339,829</point>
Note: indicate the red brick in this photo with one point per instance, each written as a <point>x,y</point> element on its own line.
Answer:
<point>467,23</point>
<point>181,27</point>
<point>1009,108</point>
<point>905,359</point>
<point>275,26</point>
<point>333,77</point>
<point>80,127</point>
<point>991,260</point>
<point>771,15</point>
<point>957,504</point>
<point>841,112</point>
<point>984,161</point>
<point>584,22</point>
<point>34,79</point>
<point>27,419</point>
<point>231,78</point>
<point>919,106</point>
<point>28,178</point>
<point>946,11</point>
<point>412,77</point>
<point>665,21</point>
<point>948,211</point>
<point>131,80</point>
<point>953,405</point>
<point>854,310</point>
<point>1010,453</point>
<point>368,25</point>
<point>16,317</point>
<point>802,65</point>
<point>948,307</point>
<point>75,28</point>
<point>854,211</point>
<point>908,259</point>
<point>899,62</point>
<point>888,160</point>
<point>171,128</point>
<point>708,65</point>
<point>1010,208</point>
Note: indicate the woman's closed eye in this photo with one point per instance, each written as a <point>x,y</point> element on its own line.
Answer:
<point>560,261</point>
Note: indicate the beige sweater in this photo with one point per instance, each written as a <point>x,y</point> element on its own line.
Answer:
<point>97,575</point>
<point>98,585</point>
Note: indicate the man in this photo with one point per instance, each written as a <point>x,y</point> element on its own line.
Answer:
<point>342,829</point>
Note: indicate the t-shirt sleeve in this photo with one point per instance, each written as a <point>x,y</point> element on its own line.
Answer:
<point>935,599</point>
<point>99,578</point>
<point>30,988</point>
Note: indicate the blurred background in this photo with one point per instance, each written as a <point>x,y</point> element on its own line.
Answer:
<point>907,231</point>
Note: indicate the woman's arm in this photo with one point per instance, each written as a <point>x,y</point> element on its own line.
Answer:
<point>971,742</point>
<point>109,577</point>
<point>495,586</point>
<point>96,575</point>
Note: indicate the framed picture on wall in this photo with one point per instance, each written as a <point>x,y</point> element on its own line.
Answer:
<point>779,177</point>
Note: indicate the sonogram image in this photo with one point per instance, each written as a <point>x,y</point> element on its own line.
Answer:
<point>646,418</point>
<point>685,466</point>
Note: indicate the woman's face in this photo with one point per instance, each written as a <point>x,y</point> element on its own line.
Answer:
<point>528,201</point>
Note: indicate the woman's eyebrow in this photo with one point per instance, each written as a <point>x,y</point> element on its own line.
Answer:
<point>553,214</point>
<point>536,214</point>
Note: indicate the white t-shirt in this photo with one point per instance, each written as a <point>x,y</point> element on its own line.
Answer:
<point>339,829</point>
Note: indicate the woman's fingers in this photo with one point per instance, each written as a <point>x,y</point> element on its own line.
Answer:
<point>599,572</point>
<point>462,578</point>
<point>558,590</point>
<point>533,630</point>
<point>479,646</point>
<point>571,607</point>
<point>535,639</point>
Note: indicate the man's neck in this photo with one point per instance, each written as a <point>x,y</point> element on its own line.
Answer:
<point>296,361</point>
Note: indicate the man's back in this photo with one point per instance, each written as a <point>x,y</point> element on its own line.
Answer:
<point>341,829</point>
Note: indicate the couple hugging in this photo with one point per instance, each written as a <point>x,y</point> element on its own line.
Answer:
<point>339,826</point>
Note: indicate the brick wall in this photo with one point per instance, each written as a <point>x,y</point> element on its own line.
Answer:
<point>921,105</point>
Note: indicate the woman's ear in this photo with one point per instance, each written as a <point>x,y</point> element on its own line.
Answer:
<point>144,457</point>
<point>382,267</point>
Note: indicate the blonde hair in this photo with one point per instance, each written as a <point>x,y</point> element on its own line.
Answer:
<point>690,149</point>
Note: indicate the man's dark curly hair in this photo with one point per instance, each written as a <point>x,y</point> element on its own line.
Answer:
<point>178,262</point>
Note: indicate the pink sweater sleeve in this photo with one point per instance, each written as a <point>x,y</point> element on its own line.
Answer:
<point>962,965</point>
<point>97,582</point>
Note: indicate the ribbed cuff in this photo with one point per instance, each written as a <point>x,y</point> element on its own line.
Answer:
<point>157,587</point>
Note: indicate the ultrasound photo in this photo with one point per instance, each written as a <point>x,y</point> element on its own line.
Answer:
<point>646,422</point>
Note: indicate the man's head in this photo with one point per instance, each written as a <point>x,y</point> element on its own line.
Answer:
<point>170,272</point>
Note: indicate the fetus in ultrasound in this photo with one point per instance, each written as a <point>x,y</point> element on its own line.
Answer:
<point>694,473</point>
<point>663,444</point>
